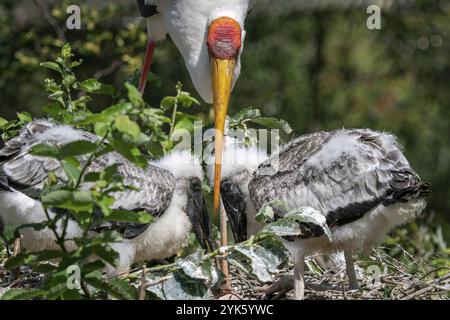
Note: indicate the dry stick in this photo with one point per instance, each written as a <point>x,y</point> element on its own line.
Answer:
<point>142,288</point>
<point>418,293</point>
<point>155,282</point>
<point>108,70</point>
<point>16,247</point>
<point>429,287</point>
<point>16,252</point>
<point>224,242</point>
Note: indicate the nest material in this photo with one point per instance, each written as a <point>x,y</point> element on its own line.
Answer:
<point>394,282</point>
<point>397,282</point>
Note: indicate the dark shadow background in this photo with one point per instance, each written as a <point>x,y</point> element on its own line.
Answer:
<point>315,65</point>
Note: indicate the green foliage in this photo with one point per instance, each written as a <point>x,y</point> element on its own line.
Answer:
<point>325,70</point>
<point>132,128</point>
<point>118,125</point>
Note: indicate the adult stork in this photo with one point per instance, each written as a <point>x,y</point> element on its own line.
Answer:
<point>169,189</point>
<point>209,35</point>
<point>359,180</point>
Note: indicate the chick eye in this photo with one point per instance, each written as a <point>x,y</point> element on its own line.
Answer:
<point>195,186</point>
<point>226,186</point>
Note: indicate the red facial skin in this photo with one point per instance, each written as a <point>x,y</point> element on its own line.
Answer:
<point>224,38</point>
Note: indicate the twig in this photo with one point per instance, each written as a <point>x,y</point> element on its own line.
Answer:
<point>16,252</point>
<point>58,239</point>
<point>224,264</point>
<point>142,288</point>
<point>50,19</point>
<point>174,115</point>
<point>418,293</point>
<point>104,72</point>
<point>155,282</point>
<point>433,271</point>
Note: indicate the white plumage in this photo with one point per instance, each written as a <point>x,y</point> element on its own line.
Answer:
<point>165,191</point>
<point>187,21</point>
<point>358,179</point>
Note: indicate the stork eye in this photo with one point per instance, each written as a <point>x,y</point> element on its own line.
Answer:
<point>226,186</point>
<point>249,11</point>
<point>195,186</point>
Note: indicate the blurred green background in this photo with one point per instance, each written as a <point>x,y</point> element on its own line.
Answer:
<point>314,64</point>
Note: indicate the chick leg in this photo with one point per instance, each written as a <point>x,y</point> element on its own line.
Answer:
<point>353,281</point>
<point>299,277</point>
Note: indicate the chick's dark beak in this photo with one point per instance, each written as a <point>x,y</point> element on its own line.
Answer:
<point>199,217</point>
<point>235,206</point>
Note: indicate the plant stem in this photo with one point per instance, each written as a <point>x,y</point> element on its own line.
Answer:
<point>89,161</point>
<point>221,252</point>
<point>58,240</point>
<point>174,115</point>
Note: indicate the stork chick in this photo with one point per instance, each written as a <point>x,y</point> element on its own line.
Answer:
<point>169,189</point>
<point>359,180</point>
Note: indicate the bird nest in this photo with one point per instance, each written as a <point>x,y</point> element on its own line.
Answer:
<point>380,277</point>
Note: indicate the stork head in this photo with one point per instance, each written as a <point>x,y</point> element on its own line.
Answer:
<point>188,174</point>
<point>209,35</point>
<point>239,163</point>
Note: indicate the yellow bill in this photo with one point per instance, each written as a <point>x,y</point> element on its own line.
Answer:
<point>222,77</point>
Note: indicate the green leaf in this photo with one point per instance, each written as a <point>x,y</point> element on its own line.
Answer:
<point>24,117</point>
<point>105,253</point>
<point>77,201</point>
<point>44,268</point>
<point>77,63</point>
<point>273,123</point>
<point>92,176</point>
<point>264,260</point>
<point>289,225</point>
<point>72,170</point>
<point>56,284</point>
<point>22,294</point>
<point>105,237</point>
<point>131,153</point>
<point>184,124</point>
<point>195,267</point>
<point>134,95</point>
<point>246,114</point>
<point>123,288</point>
<point>44,150</point>
<point>68,80</point>
<point>54,109</point>
<point>101,129</point>
<point>110,171</point>
<point>179,287</point>
<point>117,110</point>
<point>90,119</point>
<point>3,122</point>
<point>117,288</point>
<point>32,258</point>
<point>66,51</point>
<point>125,125</point>
<point>267,214</point>
<point>76,148</point>
<point>71,295</point>
<point>95,86</point>
<point>52,65</point>
<point>130,216</point>
<point>168,102</point>
<point>186,100</point>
